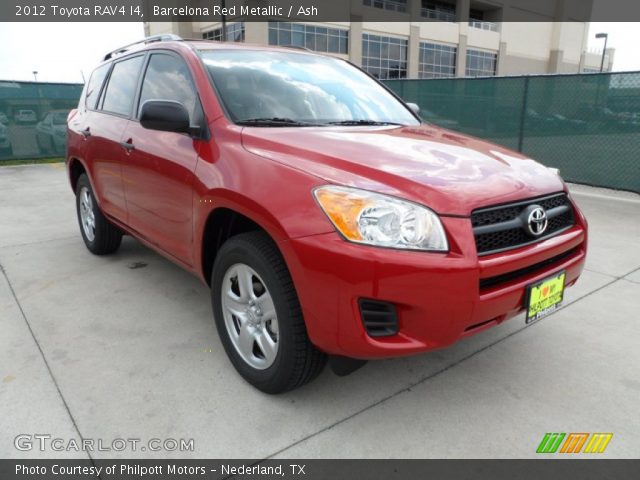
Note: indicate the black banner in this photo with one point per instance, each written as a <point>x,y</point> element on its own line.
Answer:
<point>308,10</point>
<point>319,469</point>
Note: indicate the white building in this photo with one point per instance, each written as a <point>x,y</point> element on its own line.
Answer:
<point>467,40</point>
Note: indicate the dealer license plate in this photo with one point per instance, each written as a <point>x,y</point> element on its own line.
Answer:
<point>544,297</point>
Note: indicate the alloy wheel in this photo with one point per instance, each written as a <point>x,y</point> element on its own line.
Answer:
<point>250,316</point>
<point>87,216</point>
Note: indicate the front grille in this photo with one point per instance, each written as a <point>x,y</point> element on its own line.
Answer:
<point>504,227</point>
<point>379,318</point>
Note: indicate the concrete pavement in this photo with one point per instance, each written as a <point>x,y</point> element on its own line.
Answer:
<point>125,347</point>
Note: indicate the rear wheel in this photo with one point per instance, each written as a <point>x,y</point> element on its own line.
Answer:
<point>100,236</point>
<point>258,316</point>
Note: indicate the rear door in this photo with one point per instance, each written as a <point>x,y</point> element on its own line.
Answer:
<point>103,130</point>
<point>159,166</point>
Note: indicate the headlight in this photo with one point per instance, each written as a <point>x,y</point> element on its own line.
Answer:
<point>374,219</point>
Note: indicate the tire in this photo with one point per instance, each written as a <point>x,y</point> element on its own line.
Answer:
<point>295,360</point>
<point>104,238</point>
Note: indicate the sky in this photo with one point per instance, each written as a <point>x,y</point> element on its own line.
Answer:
<point>624,37</point>
<point>62,52</point>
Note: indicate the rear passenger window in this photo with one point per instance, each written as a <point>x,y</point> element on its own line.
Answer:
<point>168,78</point>
<point>122,86</point>
<point>95,84</point>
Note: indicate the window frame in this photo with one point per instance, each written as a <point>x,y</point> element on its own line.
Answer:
<point>215,34</point>
<point>385,40</point>
<point>436,72</point>
<point>473,52</point>
<point>198,112</point>
<point>145,68</point>
<point>399,6</point>
<point>105,87</point>
<point>105,80</point>
<point>200,131</point>
<point>341,36</point>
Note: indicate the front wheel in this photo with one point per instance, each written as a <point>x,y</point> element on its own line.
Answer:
<point>258,316</point>
<point>100,236</point>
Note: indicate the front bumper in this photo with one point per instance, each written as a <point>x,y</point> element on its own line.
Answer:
<point>439,298</point>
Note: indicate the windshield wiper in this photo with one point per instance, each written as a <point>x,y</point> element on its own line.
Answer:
<point>363,122</point>
<point>274,122</point>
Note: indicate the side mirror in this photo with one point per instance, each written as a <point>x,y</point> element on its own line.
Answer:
<point>165,115</point>
<point>414,108</point>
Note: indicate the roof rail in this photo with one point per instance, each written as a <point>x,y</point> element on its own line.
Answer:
<point>165,37</point>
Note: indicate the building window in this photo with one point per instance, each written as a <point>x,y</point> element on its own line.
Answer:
<point>384,57</point>
<point>481,64</point>
<point>476,20</point>
<point>319,39</point>
<point>393,5</point>
<point>444,12</point>
<point>437,61</point>
<point>482,25</point>
<point>235,33</point>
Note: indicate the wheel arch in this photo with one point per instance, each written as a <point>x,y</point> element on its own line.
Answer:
<point>75,169</point>
<point>231,214</point>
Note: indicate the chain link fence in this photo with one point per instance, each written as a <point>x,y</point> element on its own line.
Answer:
<point>586,125</point>
<point>33,118</point>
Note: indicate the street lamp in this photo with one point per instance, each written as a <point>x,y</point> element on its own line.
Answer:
<point>604,51</point>
<point>35,75</point>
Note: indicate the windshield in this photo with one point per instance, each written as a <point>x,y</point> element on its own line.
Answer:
<point>288,88</point>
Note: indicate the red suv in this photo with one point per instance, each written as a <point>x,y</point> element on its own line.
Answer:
<point>329,221</point>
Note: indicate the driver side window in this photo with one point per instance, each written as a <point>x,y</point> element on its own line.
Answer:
<point>167,78</point>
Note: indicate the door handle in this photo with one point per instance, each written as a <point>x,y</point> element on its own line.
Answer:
<point>128,145</point>
<point>86,132</point>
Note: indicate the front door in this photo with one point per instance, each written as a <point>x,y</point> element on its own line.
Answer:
<point>158,167</point>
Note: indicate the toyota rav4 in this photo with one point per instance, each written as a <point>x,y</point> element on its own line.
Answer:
<point>329,220</point>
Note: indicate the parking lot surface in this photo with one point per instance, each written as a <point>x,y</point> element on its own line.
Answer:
<point>125,347</point>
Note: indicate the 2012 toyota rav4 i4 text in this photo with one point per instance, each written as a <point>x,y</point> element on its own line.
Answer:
<point>328,220</point>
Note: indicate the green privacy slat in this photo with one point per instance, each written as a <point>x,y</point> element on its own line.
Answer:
<point>586,125</point>
<point>33,118</point>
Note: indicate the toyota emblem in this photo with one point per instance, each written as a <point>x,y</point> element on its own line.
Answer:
<point>537,221</point>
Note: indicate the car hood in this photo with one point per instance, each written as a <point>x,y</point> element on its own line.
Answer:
<point>451,173</point>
